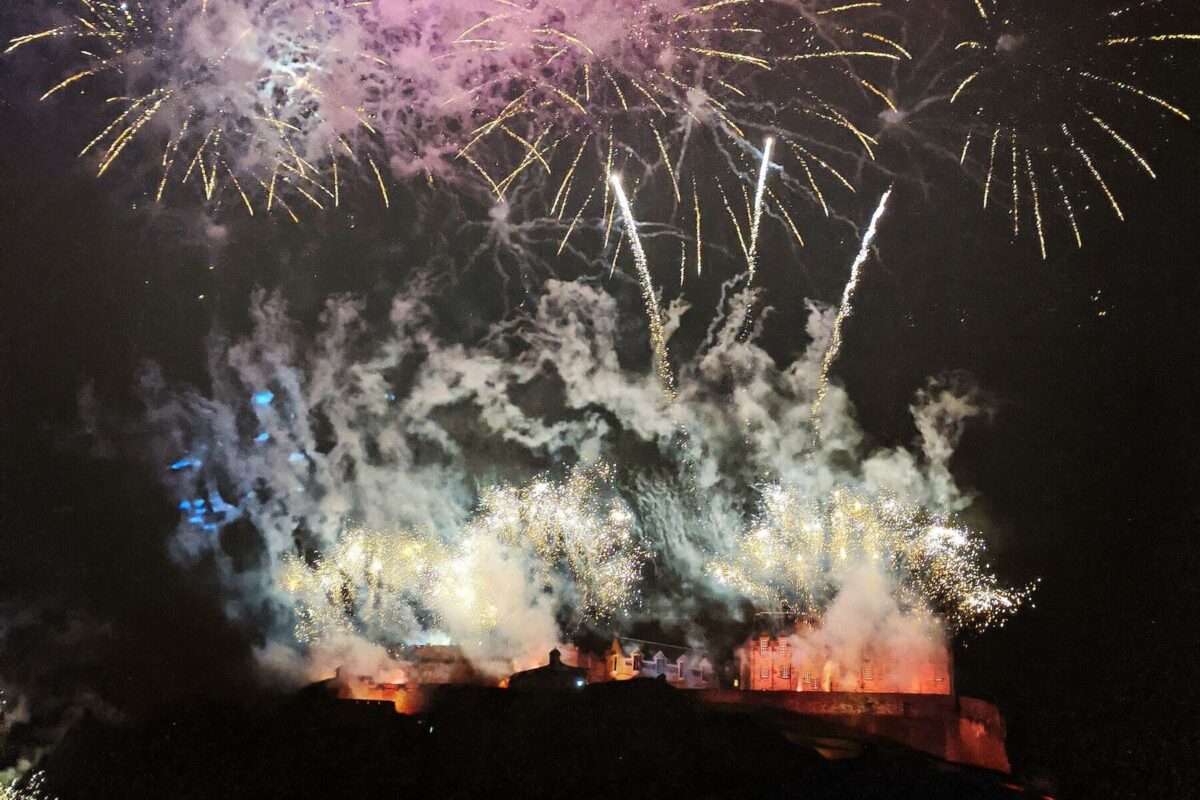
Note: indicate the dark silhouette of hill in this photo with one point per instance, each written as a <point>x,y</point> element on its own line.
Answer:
<point>639,737</point>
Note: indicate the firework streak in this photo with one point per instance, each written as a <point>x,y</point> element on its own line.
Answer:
<point>845,309</point>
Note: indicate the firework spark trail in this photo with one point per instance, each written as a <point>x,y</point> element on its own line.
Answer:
<point>658,338</point>
<point>844,311</point>
<point>759,201</point>
<point>760,193</point>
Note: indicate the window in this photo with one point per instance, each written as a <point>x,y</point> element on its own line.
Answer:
<point>637,662</point>
<point>660,665</point>
<point>616,663</point>
<point>868,671</point>
<point>682,668</point>
<point>762,645</point>
<point>765,671</point>
<point>785,672</point>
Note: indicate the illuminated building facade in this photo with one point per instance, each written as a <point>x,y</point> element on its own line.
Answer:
<point>681,667</point>
<point>789,661</point>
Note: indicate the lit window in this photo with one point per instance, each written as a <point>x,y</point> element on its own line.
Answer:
<point>637,662</point>
<point>765,672</point>
<point>762,645</point>
<point>785,671</point>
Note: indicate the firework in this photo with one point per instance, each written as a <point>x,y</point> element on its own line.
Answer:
<point>398,585</point>
<point>249,101</point>
<point>756,217</point>
<point>658,337</point>
<point>845,309</point>
<point>579,524</point>
<point>371,579</point>
<point>593,88</point>
<point>1047,113</point>
<point>268,105</point>
<point>794,551</point>
<point>31,790</point>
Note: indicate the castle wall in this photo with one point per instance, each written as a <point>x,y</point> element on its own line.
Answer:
<point>962,730</point>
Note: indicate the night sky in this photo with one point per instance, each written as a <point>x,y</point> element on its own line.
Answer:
<point>1086,475</point>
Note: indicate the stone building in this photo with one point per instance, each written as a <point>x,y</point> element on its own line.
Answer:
<point>787,659</point>
<point>681,667</point>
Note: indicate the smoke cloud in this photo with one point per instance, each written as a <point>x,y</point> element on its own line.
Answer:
<point>300,440</point>
<point>865,624</point>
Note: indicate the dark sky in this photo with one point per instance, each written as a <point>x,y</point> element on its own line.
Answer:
<point>1087,476</point>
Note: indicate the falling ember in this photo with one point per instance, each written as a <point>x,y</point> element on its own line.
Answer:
<point>844,311</point>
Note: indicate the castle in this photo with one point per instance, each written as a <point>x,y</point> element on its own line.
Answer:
<point>901,692</point>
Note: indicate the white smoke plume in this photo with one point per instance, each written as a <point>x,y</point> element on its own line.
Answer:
<point>863,623</point>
